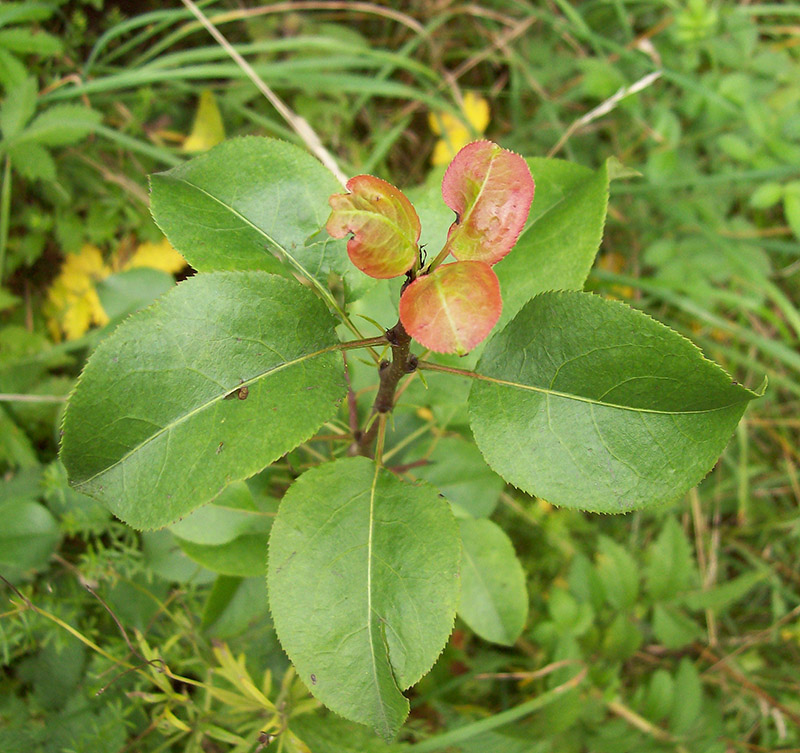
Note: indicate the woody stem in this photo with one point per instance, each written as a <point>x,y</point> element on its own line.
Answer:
<point>390,373</point>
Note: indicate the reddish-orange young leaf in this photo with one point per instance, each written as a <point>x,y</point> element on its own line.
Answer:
<point>384,224</point>
<point>490,189</point>
<point>453,308</point>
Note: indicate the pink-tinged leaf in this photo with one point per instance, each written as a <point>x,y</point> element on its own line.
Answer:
<point>384,224</point>
<point>490,189</point>
<point>453,308</point>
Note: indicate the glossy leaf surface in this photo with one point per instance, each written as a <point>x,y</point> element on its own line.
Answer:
<point>494,599</point>
<point>160,421</point>
<point>591,404</point>
<point>363,585</point>
<point>384,225</point>
<point>490,189</point>
<point>558,246</point>
<point>452,309</point>
<point>251,203</point>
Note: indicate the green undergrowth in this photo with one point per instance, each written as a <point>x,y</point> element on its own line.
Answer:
<point>667,630</point>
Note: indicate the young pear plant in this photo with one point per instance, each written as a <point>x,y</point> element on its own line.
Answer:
<point>580,400</point>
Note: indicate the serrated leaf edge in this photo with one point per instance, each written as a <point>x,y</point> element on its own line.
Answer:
<point>153,308</point>
<point>388,655</point>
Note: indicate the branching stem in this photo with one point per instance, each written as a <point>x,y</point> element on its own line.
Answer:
<point>390,373</point>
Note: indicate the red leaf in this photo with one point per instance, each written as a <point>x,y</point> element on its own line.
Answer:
<point>452,309</point>
<point>384,224</point>
<point>490,189</point>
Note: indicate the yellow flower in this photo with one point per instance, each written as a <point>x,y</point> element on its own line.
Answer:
<point>159,255</point>
<point>208,129</point>
<point>72,305</point>
<point>454,134</point>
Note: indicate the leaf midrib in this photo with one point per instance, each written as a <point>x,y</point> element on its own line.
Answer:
<point>446,308</point>
<point>369,597</point>
<point>373,216</point>
<point>601,403</point>
<point>464,221</point>
<point>324,292</point>
<point>203,406</point>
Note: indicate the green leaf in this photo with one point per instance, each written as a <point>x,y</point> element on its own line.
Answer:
<point>124,293</point>
<point>766,195</point>
<point>457,469</point>
<point>720,597</point>
<point>672,628</point>
<point>591,404</point>
<point>235,603</point>
<point>791,207</point>
<point>571,617</point>
<point>23,485</point>
<point>219,598</point>
<point>149,431</point>
<point>494,599</point>
<point>434,215</point>
<point>585,583</point>
<point>15,448</point>
<point>687,701</point>
<point>28,536</point>
<point>659,699</point>
<point>556,250</point>
<point>164,558</point>
<point>61,125</point>
<point>32,161</point>
<point>230,515</point>
<point>29,41</point>
<point>383,222</point>
<point>221,216</point>
<point>18,107</point>
<point>54,672</point>
<point>229,536</point>
<point>735,147</point>
<point>12,71</point>
<point>622,639</point>
<point>618,573</point>
<point>363,586</point>
<point>330,734</point>
<point>20,12</point>
<point>77,513</point>
<point>244,556</point>
<point>671,567</point>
